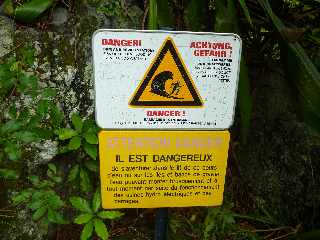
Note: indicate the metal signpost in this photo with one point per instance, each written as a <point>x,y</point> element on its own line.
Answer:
<point>165,101</point>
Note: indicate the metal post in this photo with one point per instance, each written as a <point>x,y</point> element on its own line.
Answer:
<point>161,224</point>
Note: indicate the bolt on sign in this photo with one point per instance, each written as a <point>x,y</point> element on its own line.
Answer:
<point>165,80</point>
<point>148,169</point>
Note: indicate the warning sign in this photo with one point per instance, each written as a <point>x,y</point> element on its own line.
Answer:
<point>167,82</point>
<point>148,169</point>
<point>165,79</point>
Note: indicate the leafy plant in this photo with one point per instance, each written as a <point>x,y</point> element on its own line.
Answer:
<point>121,11</point>
<point>220,223</point>
<point>110,8</point>
<point>91,217</point>
<point>15,76</point>
<point>41,197</point>
<point>195,14</point>
<point>27,11</point>
<point>80,172</point>
<point>83,134</point>
<point>305,75</point>
<point>153,15</point>
<point>20,126</point>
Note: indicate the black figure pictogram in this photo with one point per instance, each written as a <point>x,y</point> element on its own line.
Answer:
<point>158,85</point>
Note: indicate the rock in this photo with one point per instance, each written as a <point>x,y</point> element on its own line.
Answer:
<point>278,166</point>
<point>6,35</point>
<point>43,152</point>
<point>24,228</point>
<point>63,62</point>
<point>60,17</point>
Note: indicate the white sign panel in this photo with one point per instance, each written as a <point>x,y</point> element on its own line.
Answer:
<point>165,80</point>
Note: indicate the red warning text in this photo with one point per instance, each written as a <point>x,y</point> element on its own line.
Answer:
<point>211,53</point>
<point>212,49</point>
<point>165,113</point>
<point>212,45</point>
<point>121,42</point>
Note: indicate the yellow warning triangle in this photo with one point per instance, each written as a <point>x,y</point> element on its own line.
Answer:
<point>167,82</point>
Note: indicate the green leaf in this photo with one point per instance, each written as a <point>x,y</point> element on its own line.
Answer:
<point>92,165</point>
<point>56,116</point>
<point>153,15</point>
<point>66,133</point>
<point>43,133</point>
<point>165,14</point>
<point>35,204</point>
<point>196,14</point>
<point>38,194</point>
<point>96,201</point>
<point>34,121</point>
<point>8,7</point>
<point>45,184</point>
<point>34,180</point>
<point>63,149</point>
<point>224,21</point>
<point>8,174</point>
<point>39,213</point>
<point>80,204</point>
<point>13,150</point>
<point>209,222</point>
<point>9,78</point>
<point>30,11</point>
<point>301,71</point>
<point>25,136</point>
<point>42,108</point>
<point>56,217</point>
<point>91,137</point>
<point>110,214</point>
<point>101,229</point>
<point>21,197</point>
<point>24,115</point>
<point>56,179</point>
<point>245,11</point>
<point>10,126</point>
<point>55,202</point>
<point>77,122</point>
<point>83,218</point>
<point>53,168</point>
<point>49,92</point>
<point>87,231</point>
<point>28,55</point>
<point>13,111</point>
<point>74,143</point>
<point>73,173</point>
<point>85,183</point>
<point>44,224</point>
<point>27,83</point>
<point>91,150</point>
<point>90,125</point>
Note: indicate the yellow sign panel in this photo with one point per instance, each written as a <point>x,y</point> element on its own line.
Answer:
<point>152,169</point>
<point>167,82</point>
